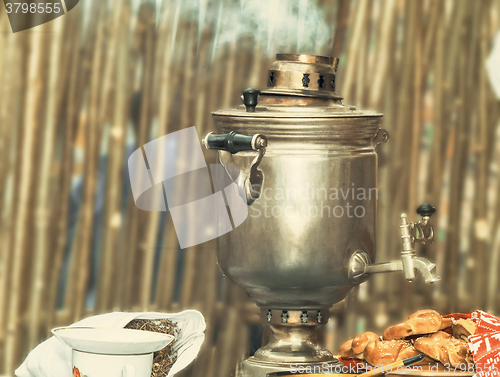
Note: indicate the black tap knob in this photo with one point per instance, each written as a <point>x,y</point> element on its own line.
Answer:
<point>250,98</point>
<point>426,209</point>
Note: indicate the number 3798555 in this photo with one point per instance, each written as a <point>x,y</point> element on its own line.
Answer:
<point>33,8</point>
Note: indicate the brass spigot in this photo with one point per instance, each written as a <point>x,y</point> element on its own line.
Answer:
<point>360,265</point>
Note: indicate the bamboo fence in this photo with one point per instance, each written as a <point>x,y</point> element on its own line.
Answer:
<point>80,93</point>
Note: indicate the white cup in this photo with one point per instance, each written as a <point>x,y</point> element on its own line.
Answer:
<point>96,365</point>
<point>111,352</point>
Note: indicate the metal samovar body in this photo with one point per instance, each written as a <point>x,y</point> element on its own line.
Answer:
<point>306,167</point>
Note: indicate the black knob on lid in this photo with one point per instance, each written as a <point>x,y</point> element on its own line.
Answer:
<point>426,209</point>
<point>250,98</point>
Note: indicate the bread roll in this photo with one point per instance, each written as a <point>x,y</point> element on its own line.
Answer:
<point>443,347</point>
<point>438,346</point>
<point>422,322</point>
<point>425,313</point>
<point>447,322</point>
<point>345,349</point>
<point>408,350</point>
<point>383,352</point>
<point>360,342</point>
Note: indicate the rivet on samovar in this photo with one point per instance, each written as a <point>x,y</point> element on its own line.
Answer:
<point>306,170</point>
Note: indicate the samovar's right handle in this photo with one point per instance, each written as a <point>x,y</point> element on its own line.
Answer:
<point>251,180</point>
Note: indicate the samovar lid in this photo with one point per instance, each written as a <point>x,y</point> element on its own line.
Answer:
<point>298,86</point>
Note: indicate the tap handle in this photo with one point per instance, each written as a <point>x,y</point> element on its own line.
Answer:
<point>426,209</point>
<point>423,230</point>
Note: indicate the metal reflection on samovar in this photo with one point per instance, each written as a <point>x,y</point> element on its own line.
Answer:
<point>306,166</point>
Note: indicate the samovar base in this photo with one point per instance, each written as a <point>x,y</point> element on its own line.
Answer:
<point>256,368</point>
<point>293,346</point>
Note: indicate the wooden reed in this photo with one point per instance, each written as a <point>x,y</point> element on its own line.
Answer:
<point>44,199</point>
<point>24,183</point>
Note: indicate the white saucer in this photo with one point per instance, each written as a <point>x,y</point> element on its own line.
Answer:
<point>112,341</point>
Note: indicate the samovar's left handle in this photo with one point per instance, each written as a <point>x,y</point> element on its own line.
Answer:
<point>234,142</point>
<point>251,179</point>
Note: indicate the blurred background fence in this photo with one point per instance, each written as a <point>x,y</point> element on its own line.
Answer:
<point>79,94</point>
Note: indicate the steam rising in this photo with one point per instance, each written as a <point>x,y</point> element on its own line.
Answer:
<point>274,25</point>
<point>296,26</point>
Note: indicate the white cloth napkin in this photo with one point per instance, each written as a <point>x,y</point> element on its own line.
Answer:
<point>52,358</point>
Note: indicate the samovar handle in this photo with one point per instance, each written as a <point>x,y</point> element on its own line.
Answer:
<point>234,142</point>
<point>251,179</point>
<point>381,137</point>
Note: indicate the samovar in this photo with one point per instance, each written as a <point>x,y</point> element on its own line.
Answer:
<point>306,167</point>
